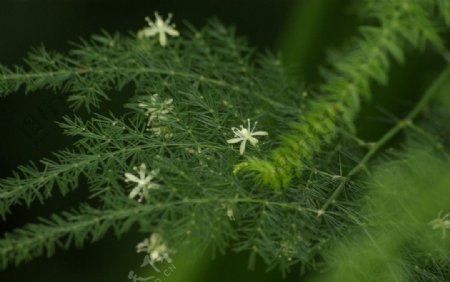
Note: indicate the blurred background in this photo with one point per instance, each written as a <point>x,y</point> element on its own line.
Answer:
<point>302,31</point>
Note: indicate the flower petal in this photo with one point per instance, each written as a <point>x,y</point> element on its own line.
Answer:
<point>260,133</point>
<point>134,192</point>
<point>171,31</point>
<point>162,38</point>
<point>253,140</point>
<point>242,148</point>
<point>153,186</point>
<point>234,140</point>
<point>131,177</point>
<point>147,32</point>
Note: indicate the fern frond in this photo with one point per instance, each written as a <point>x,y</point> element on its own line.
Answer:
<point>401,23</point>
<point>206,97</point>
<point>62,231</point>
<point>398,241</point>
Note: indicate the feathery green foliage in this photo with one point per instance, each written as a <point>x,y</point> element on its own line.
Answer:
<point>399,238</point>
<point>397,241</point>
<point>337,101</point>
<point>210,93</point>
<point>281,202</point>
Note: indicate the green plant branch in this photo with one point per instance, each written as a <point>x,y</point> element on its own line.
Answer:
<point>443,78</point>
<point>91,224</point>
<point>347,82</point>
<point>130,72</point>
<point>103,71</point>
<point>39,184</point>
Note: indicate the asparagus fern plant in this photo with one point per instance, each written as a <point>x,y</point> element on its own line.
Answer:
<point>220,147</point>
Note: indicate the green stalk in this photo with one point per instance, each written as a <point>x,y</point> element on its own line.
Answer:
<point>443,78</point>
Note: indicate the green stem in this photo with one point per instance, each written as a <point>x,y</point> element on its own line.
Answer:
<point>406,122</point>
<point>140,70</point>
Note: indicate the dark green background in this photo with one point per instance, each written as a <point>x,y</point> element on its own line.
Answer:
<point>303,30</point>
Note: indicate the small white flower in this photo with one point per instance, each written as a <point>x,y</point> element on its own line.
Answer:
<point>155,108</point>
<point>287,250</point>
<point>160,27</point>
<point>144,182</point>
<point>246,134</point>
<point>155,247</point>
<point>230,214</point>
<point>161,131</point>
<point>441,223</point>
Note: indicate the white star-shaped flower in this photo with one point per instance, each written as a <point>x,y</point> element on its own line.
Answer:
<point>246,134</point>
<point>156,108</point>
<point>160,27</point>
<point>441,223</point>
<point>230,214</point>
<point>155,247</point>
<point>144,182</point>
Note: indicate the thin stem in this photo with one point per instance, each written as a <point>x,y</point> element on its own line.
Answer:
<point>406,122</point>
<point>95,218</point>
<point>141,70</point>
<point>49,176</point>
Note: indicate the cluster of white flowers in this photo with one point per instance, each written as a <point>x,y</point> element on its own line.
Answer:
<point>246,134</point>
<point>159,27</point>
<point>441,223</point>
<point>143,181</point>
<point>156,109</point>
<point>156,249</point>
<point>287,250</point>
